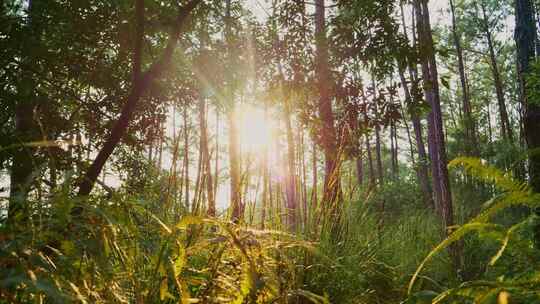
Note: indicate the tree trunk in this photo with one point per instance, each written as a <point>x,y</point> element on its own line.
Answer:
<point>211,211</point>
<point>394,140</point>
<point>378,153</point>
<point>506,127</point>
<point>186,156</point>
<point>234,143</point>
<point>216,161</point>
<point>266,176</point>
<point>525,39</point>
<point>441,183</point>
<point>332,186</point>
<point>304,176</point>
<point>26,129</point>
<point>370,163</point>
<point>198,180</point>
<point>411,95</point>
<point>360,164</point>
<point>469,124</point>
<point>290,186</point>
<point>314,187</point>
<point>421,167</point>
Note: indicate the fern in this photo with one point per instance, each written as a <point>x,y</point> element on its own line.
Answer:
<point>512,192</point>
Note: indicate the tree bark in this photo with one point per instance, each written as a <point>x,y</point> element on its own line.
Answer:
<point>506,127</point>
<point>372,177</point>
<point>266,176</point>
<point>332,186</point>
<point>378,153</point>
<point>234,143</point>
<point>441,183</point>
<point>422,165</point>
<point>360,164</point>
<point>186,156</point>
<point>471,147</point>
<point>525,42</point>
<point>203,122</point>
<point>290,186</point>
<point>26,128</point>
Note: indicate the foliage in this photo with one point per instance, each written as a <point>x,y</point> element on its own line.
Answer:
<point>124,253</point>
<point>508,275</point>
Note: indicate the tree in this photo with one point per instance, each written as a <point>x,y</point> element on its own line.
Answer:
<point>139,88</point>
<point>469,124</point>
<point>414,100</point>
<point>26,126</point>
<point>234,143</point>
<point>437,150</point>
<point>332,187</point>
<point>525,36</point>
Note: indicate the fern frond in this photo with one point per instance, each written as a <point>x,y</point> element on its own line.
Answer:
<point>455,236</point>
<point>489,174</point>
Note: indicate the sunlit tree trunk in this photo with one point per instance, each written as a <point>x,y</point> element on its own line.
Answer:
<point>332,186</point>
<point>216,160</point>
<point>161,142</point>
<point>211,211</point>
<point>469,125</point>
<point>489,128</point>
<point>394,149</point>
<point>234,143</point>
<point>314,186</point>
<point>360,163</point>
<point>290,184</point>
<point>409,136</point>
<point>441,184</point>
<point>186,155</point>
<point>198,179</point>
<point>378,153</point>
<point>266,175</point>
<point>303,172</point>
<point>411,98</point>
<point>372,177</point>
<point>506,127</point>
<point>174,169</point>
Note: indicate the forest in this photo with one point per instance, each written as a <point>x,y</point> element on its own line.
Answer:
<point>270,151</point>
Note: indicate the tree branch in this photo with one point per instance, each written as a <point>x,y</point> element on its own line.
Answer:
<point>140,87</point>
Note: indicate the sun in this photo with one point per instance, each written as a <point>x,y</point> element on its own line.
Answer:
<point>255,129</point>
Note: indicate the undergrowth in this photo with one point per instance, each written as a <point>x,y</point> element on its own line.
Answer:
<point>130,248</point>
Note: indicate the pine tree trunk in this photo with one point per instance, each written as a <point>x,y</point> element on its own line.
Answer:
<point>332,187</point>
<point>266,180</point>
<point>216,161</point>
<point>290,186</point>
<point>186,156</point>
<point>211,211</point>
<point>372,177</point>
<point>525,42</point>
<point>378,153</point>
<point>421,167</point>
<point>314,186</point>
<point>234,143</point>
<point>441,183</point>
<point>360,164</point>
<point>506,127</point>
<point>469,125</point>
